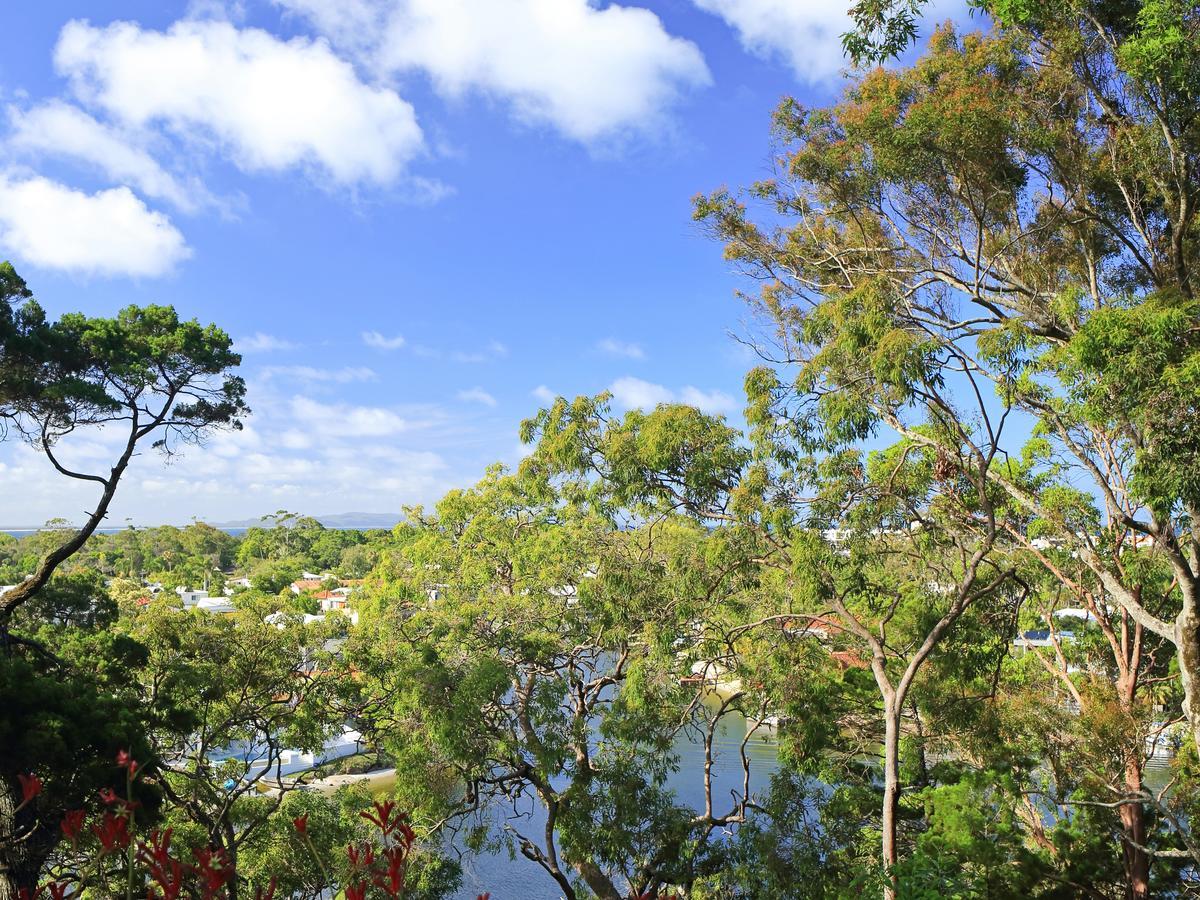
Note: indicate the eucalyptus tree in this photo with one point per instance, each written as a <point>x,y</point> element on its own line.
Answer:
<point>282,536</point>
<point>1089,689</point>
<point>1007,224</point>
<point>518,661</point>
<point>887,551</point>
<point>881,29</point>
<point>1057,730</point>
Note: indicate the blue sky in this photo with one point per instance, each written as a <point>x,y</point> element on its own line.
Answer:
<point>418,218</point>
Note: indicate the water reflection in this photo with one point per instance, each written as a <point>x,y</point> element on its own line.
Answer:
<point>520,879</point>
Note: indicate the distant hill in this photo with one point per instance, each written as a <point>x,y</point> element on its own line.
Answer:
<point>362,520</point>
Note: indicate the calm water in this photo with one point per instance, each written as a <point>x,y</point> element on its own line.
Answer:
<point>520,879</point>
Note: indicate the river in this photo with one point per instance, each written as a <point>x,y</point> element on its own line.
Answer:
<point>520,879</point>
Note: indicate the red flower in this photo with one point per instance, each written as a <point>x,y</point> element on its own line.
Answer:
<point>125,761</point>
<point>391,880</point>
<point>31,786</point>
<point>213,869</point>
<point>361,857</point>
<point>300,823</point>
<point>356,891</point>
<point>165,870</point>
<point>159,848</point>
<point>407,833</point>
<point>169,877</point>
<point>382,817</point>
<point>72,824</point>
<point>112,832</point>
<point>108,797</point>
<point>58,889</point>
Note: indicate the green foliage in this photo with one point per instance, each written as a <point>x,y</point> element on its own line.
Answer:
<point>276,852</point>
<point>274,576</point>
<point>76,599</point>
<point>65,718</point>
<point>522,647</point>
<point>882,29</point>
<point>974,846</point>
<point>1002,232</point>
<point>81,370</point>
<point>1140,365</point>
<point>981,266</point>
<point>809,842</point>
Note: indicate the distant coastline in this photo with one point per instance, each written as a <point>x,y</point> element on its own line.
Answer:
<point>339,521</point>
<point>26,532</point>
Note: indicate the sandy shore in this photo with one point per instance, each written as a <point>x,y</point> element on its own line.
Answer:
<point>375,780</point>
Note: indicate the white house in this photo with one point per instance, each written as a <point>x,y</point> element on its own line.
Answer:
<point>189,597</point>
<point>338,598</point>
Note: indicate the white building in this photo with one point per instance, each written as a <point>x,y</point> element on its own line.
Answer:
<point>189,597</point>
<point>215,605</point>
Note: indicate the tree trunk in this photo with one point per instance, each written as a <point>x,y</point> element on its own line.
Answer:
<point>891,792</point>
<point>1133,824</point>
<point>597,881</point>
<point>1187,646</point>
<point>19,873</point>
<point>21,861</point>
<point>17,881</point>
<point>231,857</point>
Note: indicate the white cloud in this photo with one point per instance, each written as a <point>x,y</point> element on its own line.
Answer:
<point>380,342</point>
<point>271,104</point>
<point>589,72</point>
<point>295,439</point>
<point>477,395</point>
<point>60,129</point>
<point>708,401</point>
<point>263,343</point>
<point>111,232</point>
<point>345,375</point>
<point>344,420</point>
<point>231,444</point>
<point>354,24</point>
<point>634,393</point>
<point>806,36</point>
<point>543,393</point>
<point>336,461</point>
<point>613,347</point>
